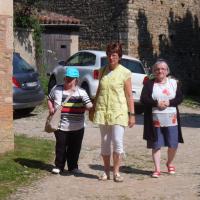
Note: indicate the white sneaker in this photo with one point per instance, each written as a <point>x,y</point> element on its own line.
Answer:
<point>76,171</point>
<point>55,171</point>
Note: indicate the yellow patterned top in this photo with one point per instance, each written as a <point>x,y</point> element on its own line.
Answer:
<point>111,105</point>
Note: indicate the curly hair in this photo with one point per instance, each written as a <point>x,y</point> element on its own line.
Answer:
<point>158,61</point>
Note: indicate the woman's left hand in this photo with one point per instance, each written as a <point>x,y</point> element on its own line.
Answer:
<point>131,121</point>
<point>166,103</point>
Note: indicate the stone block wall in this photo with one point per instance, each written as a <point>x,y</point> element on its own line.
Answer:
<point>103,21</point>
<point>6,52</point>
<point>168,29</point>
<point>148,29</point>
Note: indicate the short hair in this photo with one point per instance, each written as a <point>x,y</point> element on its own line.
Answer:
<point>158,61</point>
<point>114,48</point>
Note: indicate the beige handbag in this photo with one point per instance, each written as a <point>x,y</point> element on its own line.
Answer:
<point>53,121</point>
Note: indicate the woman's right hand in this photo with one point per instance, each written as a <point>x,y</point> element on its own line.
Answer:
<point>131,121</point>
<point>162,105</point>
<point>51,111</point>
<point>51,107</point>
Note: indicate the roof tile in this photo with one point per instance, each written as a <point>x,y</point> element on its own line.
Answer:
<point>46,17</point>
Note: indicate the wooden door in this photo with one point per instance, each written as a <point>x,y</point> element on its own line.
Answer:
<point>56,47</point>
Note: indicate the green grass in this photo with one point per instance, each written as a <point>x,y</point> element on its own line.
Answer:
<point>192,101</point>
<point>28,162</point>
<point>44,79</point>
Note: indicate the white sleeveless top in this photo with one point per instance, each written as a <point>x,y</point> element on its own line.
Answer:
<point>162,92</point>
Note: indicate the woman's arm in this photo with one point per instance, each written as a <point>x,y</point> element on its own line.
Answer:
<point>146,97</point>
<point>101,72</point>
<point>50,107</point>
<point>130,102</point>
<point>95,99</point>
<point>178,98</point>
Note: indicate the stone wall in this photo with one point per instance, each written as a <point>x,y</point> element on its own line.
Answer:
<point>169,29</point>
<point>148,29</point>
<point>6,52</point>
<point>102,20</point>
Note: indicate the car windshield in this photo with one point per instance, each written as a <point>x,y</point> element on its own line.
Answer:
<point>20,65</point>
<point>132,65</point>
<point>82,59</point>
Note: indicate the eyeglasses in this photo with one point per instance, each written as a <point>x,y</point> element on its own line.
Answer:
<point>160,69</point>
<point>114,55</point>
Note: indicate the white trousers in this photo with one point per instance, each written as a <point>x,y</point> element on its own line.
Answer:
<point>114,134</point>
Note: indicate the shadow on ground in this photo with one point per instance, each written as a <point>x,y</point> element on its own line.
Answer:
<point>131,170</point>
<point>22,115</point>
<point>83,175</point>
<point>124,169</point>
<point>36,164</point>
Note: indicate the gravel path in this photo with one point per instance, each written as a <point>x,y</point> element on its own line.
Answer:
<point>136,169</point>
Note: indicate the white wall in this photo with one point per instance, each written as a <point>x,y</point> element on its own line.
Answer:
<point>24,44</point>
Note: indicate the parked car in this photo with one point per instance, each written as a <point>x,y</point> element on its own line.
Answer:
<point>89,62</point>
<point>27,91</point>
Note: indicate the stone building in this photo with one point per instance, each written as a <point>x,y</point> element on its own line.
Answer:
<point>6,53</point>
<point>148,29</point>
<point>59,38</point>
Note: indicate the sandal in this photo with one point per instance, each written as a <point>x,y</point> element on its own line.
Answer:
<point>118,178</point>
<point>171,169</point>
<point>104,177</point>
<point>156,174</point>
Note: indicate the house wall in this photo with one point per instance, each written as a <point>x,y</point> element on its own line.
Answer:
<point>58,43</point>
<point>148,29</point>
<point>6,48</point>
<point>24,44</point>
<point>102,20</point>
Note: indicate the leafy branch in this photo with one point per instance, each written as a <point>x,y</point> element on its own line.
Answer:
<point>25,16</point>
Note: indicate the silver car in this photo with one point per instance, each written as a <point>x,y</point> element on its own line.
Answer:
<point>27,91</point>
<point>89,62</point>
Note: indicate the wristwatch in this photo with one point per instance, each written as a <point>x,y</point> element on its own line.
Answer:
<point>131,114</point>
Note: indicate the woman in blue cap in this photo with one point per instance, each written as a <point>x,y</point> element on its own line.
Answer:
<point>70,133</point>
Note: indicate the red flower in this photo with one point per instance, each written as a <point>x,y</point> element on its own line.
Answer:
<point>156,123</point>
<point>174,119</point>
<point>166,91</point>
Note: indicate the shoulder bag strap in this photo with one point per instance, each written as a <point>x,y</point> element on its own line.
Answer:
<point>68,97</point>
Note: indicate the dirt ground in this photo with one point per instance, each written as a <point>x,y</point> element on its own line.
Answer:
<point>136,167</point>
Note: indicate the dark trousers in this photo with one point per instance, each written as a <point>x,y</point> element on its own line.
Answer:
<point>68,147</point>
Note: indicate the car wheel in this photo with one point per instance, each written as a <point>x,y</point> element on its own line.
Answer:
<point>139,109</point>
<point>52,83</point>
<point>86,88</point>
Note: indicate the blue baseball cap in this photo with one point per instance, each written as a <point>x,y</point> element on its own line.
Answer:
<point>72,72</point>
